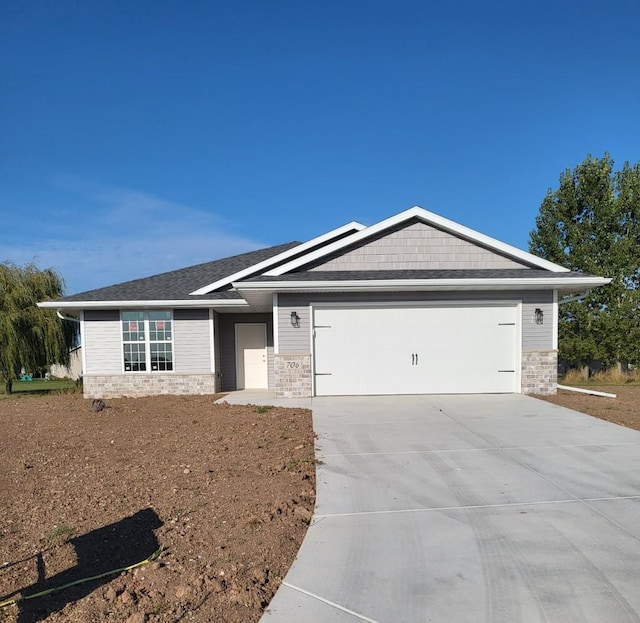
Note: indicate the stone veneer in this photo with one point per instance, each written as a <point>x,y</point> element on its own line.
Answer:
<point>116,386</point>
<point>293,375</point>
<point>540,372</point>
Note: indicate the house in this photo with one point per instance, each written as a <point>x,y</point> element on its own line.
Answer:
<point>413,304</point>
<point>74,370</point>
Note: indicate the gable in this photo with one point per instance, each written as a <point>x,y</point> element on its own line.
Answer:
<point>416,245</point>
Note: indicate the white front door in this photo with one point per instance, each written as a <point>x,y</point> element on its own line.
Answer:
<point>251,356</point>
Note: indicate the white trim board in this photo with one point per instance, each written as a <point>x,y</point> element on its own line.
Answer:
<point>251,270</point>
<point>423,284</point>
<point>181,303</point>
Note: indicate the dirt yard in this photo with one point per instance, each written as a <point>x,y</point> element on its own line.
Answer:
<point>624,410</point>
<point>226,491</point>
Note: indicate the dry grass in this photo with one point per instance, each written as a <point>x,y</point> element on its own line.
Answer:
<point>612,376</point>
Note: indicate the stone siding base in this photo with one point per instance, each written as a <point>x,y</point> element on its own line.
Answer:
<point>135,385</point>
<point>540,372</point>
<point>293,376</point>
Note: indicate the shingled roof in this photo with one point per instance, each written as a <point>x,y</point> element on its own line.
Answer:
<point>177,284</point>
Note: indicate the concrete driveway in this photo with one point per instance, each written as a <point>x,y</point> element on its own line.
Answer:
<point>467,508</point>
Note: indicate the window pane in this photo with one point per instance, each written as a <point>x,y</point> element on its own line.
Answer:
<point>134,358</point>
<point>159,315</point>
<point>161,356</point>
<point>132,326</point>
<point>160,326</point>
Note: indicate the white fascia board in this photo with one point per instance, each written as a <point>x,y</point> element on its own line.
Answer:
<point>180,303</point>
<point>353,226</point>
<point>539,283</point>
<point>427,217</point>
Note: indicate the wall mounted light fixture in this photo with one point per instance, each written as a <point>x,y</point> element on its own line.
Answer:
<point>295,319</point>
<point>539,316</point>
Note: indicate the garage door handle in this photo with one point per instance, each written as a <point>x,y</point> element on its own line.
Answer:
<point>416,358</point>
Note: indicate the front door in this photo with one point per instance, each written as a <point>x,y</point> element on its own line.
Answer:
<point>251,356</point>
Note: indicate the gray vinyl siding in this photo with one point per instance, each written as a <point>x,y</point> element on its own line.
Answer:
<point>417,246</point>
<point>298,340</point>
<point>191,341</point>
<point>291,339</point>
<point>102,342</point>
<point>535,336</point>
<point>227,335</point>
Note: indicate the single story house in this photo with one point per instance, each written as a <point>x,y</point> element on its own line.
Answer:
<point>414,304</point>
<point>74,370</point>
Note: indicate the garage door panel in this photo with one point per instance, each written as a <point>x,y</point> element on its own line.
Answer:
<point>353,356</point>
<point>471,350</point>
<point>396,350</point>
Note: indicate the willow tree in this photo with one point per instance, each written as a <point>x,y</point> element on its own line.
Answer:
<point>591,223</point>
<point>30,337</point>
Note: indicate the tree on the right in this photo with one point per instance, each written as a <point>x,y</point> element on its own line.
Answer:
<point>591,224</point>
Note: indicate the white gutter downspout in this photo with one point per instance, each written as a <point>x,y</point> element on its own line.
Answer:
<point>592,392</point>
<point>577,298</point>
<point>65,317</point>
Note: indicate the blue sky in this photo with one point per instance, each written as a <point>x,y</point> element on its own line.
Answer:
<point>138,137</point>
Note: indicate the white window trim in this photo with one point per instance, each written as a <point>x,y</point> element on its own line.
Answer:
<point>147,344</point>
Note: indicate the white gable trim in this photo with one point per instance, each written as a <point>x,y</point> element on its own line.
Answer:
<point>251,270</point>
<point>429,218</point>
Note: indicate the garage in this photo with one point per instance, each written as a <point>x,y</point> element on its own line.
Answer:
<point>435,349</point>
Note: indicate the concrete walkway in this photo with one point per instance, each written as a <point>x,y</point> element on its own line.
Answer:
<point>263,397</point>
<point>501,509</point>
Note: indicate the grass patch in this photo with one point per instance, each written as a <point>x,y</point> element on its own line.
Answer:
<point>42,386</point>
<point>60,533</point>
<point>602,377</point>
<point>263,409</point>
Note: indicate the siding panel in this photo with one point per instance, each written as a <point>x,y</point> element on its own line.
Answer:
<point>191,343</point>
<point>417,246</point>
<point>102,342</point>
<point>191,314</point>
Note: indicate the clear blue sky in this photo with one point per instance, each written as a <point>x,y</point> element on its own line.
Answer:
<point>138,137</point>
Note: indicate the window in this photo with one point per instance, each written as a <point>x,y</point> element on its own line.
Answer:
<point>147,341</point>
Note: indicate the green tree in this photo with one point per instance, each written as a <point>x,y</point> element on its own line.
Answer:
<point>591,224</point>
<point>30,337</point>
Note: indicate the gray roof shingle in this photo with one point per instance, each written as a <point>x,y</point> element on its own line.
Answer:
<point>177,284</point>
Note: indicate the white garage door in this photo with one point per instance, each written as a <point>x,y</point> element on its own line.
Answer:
<point>416,350</point>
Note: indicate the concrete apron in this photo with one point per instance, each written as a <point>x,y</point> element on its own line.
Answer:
<point>467,508</point>
<point>263,397</point>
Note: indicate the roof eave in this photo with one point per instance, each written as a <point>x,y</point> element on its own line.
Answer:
<point>541,283</point>
<point>261,266</point>
<point>173,304</point>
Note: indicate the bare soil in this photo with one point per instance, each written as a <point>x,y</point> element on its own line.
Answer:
<point>226,491</point>
<point>623,410</point>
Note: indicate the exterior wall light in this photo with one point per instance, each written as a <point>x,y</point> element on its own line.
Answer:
<point>295,319</point>
<point>539,316</point>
